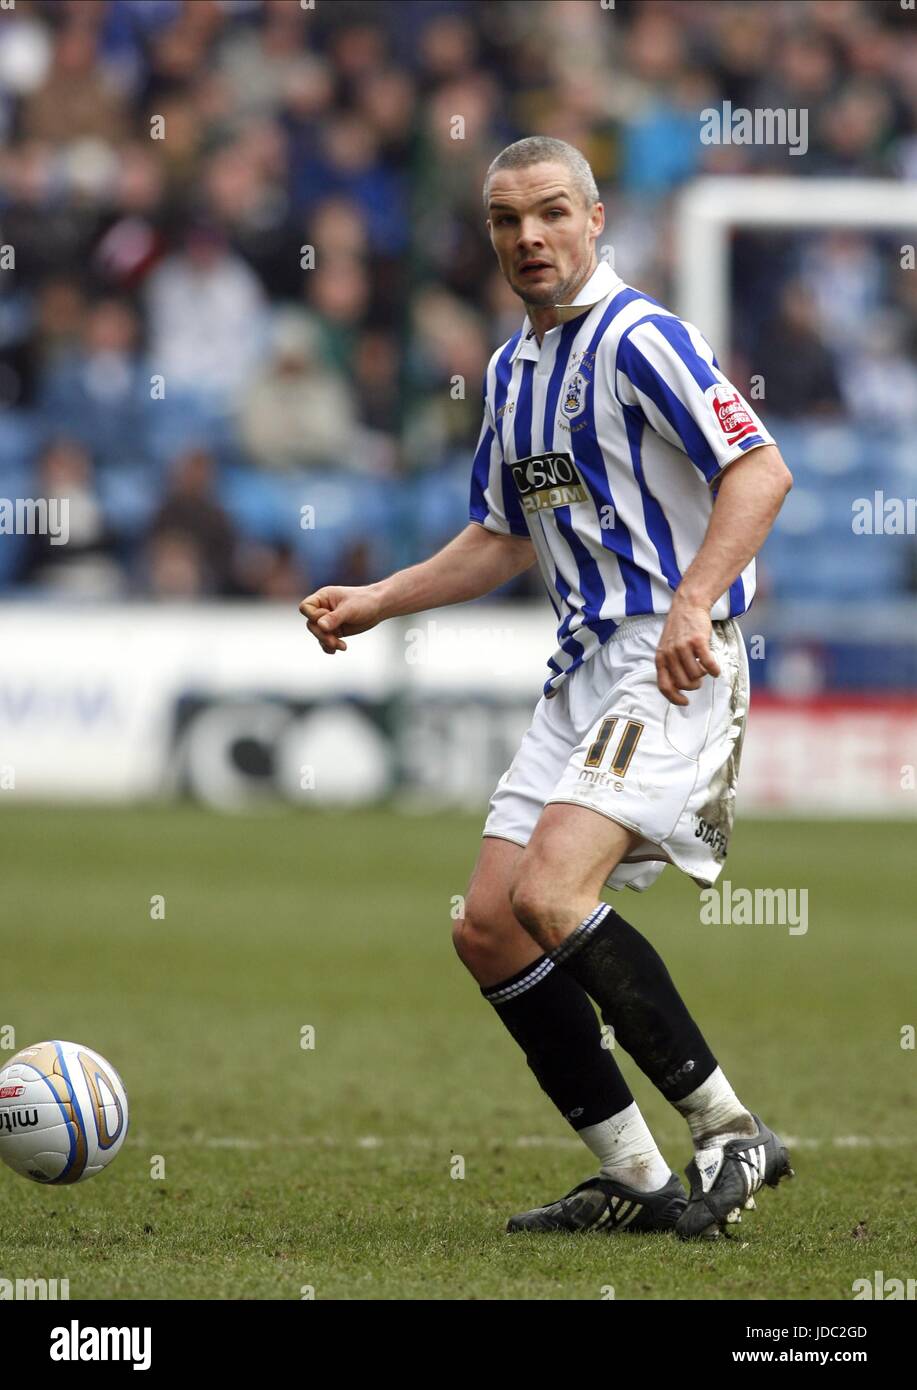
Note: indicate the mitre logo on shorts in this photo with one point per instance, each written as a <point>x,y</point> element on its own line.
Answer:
<point>546,481</point>
<point>731,411</point>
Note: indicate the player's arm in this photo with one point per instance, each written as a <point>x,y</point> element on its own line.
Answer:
<point>751,493</point>
<point>474,562</point>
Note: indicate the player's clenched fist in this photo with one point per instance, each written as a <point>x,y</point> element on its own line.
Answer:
<point>333,613</point>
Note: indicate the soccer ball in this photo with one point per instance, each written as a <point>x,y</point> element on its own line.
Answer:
<point>63,1113</point>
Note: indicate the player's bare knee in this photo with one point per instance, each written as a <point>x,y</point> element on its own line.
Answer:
<point>473,940</point>
<point>461,938</point>
<point>540,910</point>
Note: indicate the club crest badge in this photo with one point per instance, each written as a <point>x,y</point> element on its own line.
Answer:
<point>574,399</point>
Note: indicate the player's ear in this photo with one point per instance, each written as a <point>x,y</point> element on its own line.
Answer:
<point>597,218</point>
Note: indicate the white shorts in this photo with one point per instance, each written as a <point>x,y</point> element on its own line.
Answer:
<point>610,740</point>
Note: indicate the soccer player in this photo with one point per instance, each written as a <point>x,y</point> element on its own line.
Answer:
<point>616,455</point>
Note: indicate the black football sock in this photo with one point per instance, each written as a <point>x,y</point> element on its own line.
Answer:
<point>554,1022</point>
<point>627,978</point>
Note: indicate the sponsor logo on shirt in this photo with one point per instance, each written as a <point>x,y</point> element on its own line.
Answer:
<point>731,411</point>
<point>546,481</point>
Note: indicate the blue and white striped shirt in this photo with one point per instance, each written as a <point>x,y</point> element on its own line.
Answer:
<point>601,444</point>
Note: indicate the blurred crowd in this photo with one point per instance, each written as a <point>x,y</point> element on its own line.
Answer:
<point>251,269</point>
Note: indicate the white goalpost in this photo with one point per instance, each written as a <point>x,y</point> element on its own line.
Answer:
<point>709,209</point>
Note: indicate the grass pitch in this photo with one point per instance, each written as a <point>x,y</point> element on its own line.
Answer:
<point>330,1168</point>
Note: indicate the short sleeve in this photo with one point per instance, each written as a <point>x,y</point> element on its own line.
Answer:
<point>666,369</point>
<point>494,500</point>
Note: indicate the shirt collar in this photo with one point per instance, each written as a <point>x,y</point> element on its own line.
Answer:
<point>602,282</point>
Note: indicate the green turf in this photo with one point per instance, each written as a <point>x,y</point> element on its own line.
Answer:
<point>330,1167</point>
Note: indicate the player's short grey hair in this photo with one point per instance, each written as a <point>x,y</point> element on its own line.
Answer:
<point>541,149</point>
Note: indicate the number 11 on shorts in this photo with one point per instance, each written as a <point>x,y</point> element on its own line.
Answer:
<point>625,749</point>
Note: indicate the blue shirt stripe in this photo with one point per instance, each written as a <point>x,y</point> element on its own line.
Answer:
<point>480,473</point>
<point>590,585</point>
<point>657,527</point>
<point>617,538</point>
<point>632,363</point>
<point>481,469</point>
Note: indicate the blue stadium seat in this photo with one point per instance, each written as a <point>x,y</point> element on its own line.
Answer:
<point>181,422</point>
<point>130,497</point>
<point>21,437</point>
<point>440,499</point>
